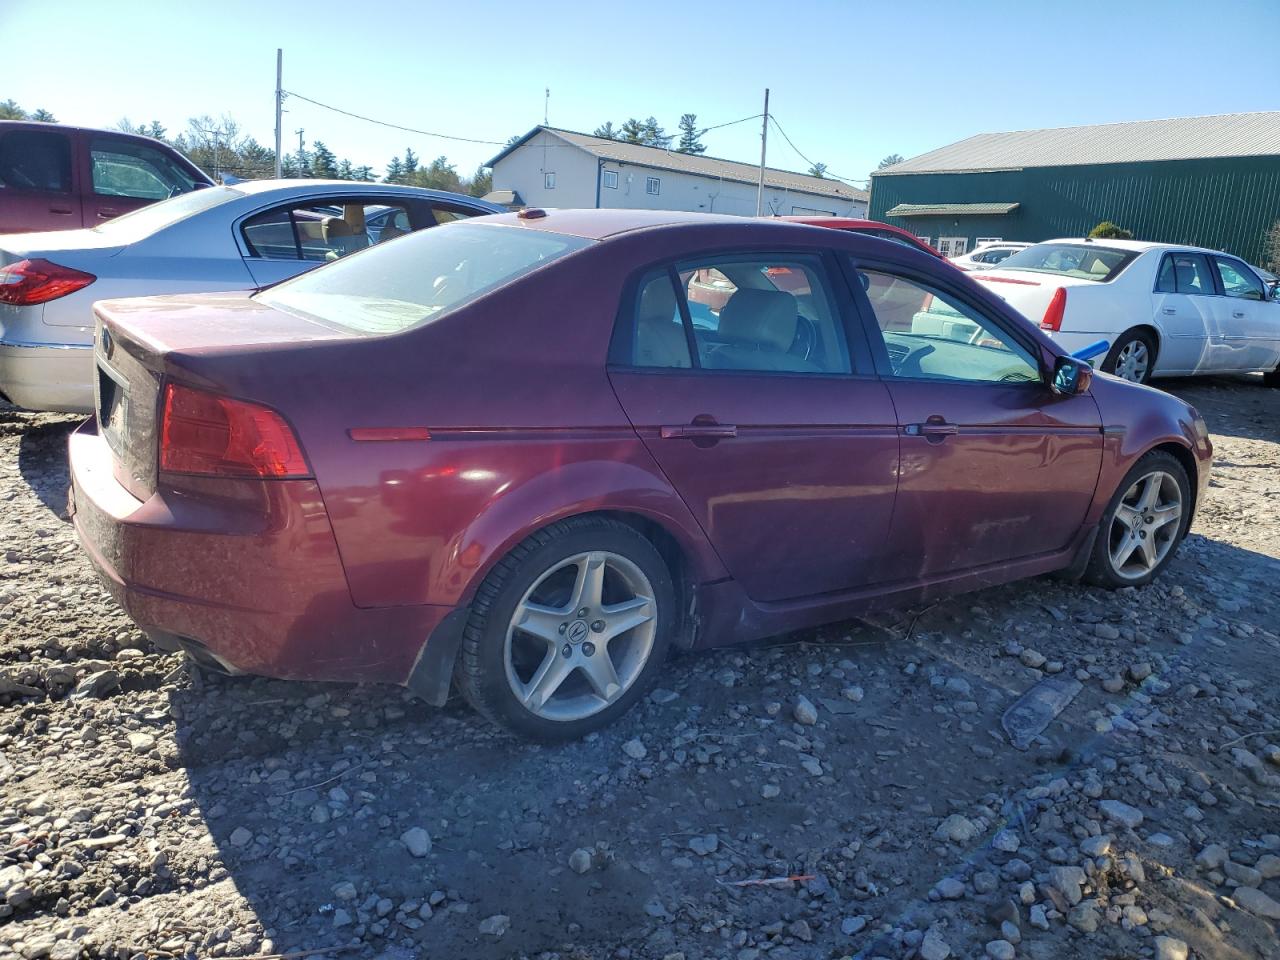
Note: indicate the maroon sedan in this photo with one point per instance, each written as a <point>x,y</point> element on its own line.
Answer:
<point>510,455</point>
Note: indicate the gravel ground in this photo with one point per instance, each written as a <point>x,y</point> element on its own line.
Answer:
<point>150,810</point>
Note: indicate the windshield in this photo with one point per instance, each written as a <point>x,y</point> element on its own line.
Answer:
<point>419,278</point>
<point>1083,261</point>
<point>145,221</point>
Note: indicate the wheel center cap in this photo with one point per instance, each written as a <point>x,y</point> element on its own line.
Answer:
<point>577,631</point>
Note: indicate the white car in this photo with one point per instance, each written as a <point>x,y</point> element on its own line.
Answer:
<point>988,255</point>
<point>1166,310</point>
<point>227,238</point>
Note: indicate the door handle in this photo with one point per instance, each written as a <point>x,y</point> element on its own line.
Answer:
<point>1238,314</point>
<point>1170,311</point>
<point>934,430</point>
<point>106,213</point>
<point>62,210</point>
<point>699,431</point>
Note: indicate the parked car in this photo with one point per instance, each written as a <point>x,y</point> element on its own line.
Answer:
<point>872,228</point>
<point>988,255</point>
<point>55,177</point>
<point>499,453</point>
<point>222,238</point>
<point>1167,310</point>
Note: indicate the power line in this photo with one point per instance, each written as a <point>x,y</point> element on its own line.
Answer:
<point>394,126</point>
<point>754,116</point>
<point>826,173</point>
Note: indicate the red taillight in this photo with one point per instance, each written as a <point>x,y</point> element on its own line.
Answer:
<point>1053,313</point>
<point>205,433</point>
<point>28,282</point>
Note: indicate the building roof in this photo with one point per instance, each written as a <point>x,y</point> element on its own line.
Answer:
<point>659,158</point>
<point>1180,138</point>
<point>951,209</point>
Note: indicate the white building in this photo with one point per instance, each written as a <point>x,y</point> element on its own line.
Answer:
<point>548,167</point>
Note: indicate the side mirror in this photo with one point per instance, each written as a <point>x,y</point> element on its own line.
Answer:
<point>1273,290</point>
<point>1071,377</point>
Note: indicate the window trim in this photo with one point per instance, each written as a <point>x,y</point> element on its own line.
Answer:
<point>851,263</point>
<point>1240,267</point>
<point>548,179</point>
<point>605,176</point>
<point>1210,269</point>
<point>862,363</point>
<point>655,183</point>
<point>415,209</point>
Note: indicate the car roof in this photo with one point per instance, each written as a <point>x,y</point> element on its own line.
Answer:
<point>592,224</point>
<point>304,188</point>
<point>1137,246</point>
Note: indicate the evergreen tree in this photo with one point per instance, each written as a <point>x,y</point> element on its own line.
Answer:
<point>481,182</point>
<point>606,131</point>
<point>9,110</point>
<point>632,131</point>
<point>439,174</point>
<point>345,170</point>
<point>410,165</point>
<point>324,164</point>
<point>395,171</point>
<point>690,135</point>
<point>364,174</point>
<point>890,160</point>
<point>44,116</point>
<point>818,170</point>
<point>654,135</point>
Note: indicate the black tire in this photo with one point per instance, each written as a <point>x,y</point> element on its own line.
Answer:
<point>1271,379</point>
<point>481,673</point>
<point>1101,571</point>
<point>1122,342</point>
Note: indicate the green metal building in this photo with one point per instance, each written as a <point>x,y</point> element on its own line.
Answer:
<point>1208,181</point>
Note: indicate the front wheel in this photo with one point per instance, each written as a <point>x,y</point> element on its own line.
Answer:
<point>568,630</point>
<point>1132,357</point>
<point>1272,379</point>
<point>1143,524</point>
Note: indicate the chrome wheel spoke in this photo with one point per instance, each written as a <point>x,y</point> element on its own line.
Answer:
<point>621,617</point>
<point>539,621</point>
<point>602,675</point>
<point>588,589</point>
<point>1124,550</point>
<point>1149,554</point>
<point>1163,516</point>
<point>1128,515</point>
<point>554,670</point>
<point>1150,491</point>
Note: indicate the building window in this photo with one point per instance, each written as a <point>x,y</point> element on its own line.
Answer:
<point>652,185</point>
<point>549,181</point>
<point>610,179</point>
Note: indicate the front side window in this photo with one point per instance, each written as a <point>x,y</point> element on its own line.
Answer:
<point>759,313</point>
<point>398,286</point>
<point>1238,280</point>
<point>1084,261</point>
<point>609,178</point>
<point>123,168</point>
<point>321,232</point>
<point>928,334</point>
<point>652,186</point>
<point>1184,273</point>
<point>35,160</point>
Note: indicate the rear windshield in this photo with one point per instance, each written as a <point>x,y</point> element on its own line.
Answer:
<point>145,221</point>
<point>1083,261</point>
<point>419,278</point>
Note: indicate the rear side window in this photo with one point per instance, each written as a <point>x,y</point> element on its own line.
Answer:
<point>397,286</point>
<point>760,313</point>
<point>1084,261</point>
<point>1184,273</point>
<point>324,231</point>
<point>35,160</point>
<point>125,168</point>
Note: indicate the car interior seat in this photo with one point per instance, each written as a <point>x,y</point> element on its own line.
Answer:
<point>757,328</point>
<point>660,339</point>
<point>341,237</point>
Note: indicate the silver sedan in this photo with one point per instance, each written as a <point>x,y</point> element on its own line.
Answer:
<point>240,237</point>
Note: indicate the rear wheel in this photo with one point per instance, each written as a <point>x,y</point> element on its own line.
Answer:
<point>1132,357</point>
<point>1143,524</point>
<point>569,630</point>
<point>1272,379</point>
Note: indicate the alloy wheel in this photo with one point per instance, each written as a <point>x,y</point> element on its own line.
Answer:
<point>1145,525</point>
<point>1132,361</point>
<point>580,636</point>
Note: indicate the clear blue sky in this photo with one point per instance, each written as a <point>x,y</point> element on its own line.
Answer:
<point>851,81</point>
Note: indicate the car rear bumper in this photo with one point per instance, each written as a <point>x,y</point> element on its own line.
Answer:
<point>246,572</point>
<point>47,376</point>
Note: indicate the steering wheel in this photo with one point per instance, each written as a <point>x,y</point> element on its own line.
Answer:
<point>806,338</point>
<point>910,366</point>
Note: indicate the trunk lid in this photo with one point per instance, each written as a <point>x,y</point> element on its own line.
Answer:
<point>61,246</point>
<point>1028,291</point>
<point>138,343</point>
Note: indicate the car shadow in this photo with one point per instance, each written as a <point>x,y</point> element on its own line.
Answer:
<point>42,453</point>
<point>1233,406</point>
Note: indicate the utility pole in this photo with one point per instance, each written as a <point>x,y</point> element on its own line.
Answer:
<point>764,143</point>
<point>279,104</point>
<point>546,107</point>
<point>302,147</point>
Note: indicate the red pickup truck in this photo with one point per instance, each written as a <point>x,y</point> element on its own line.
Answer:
<point>56,177</point>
